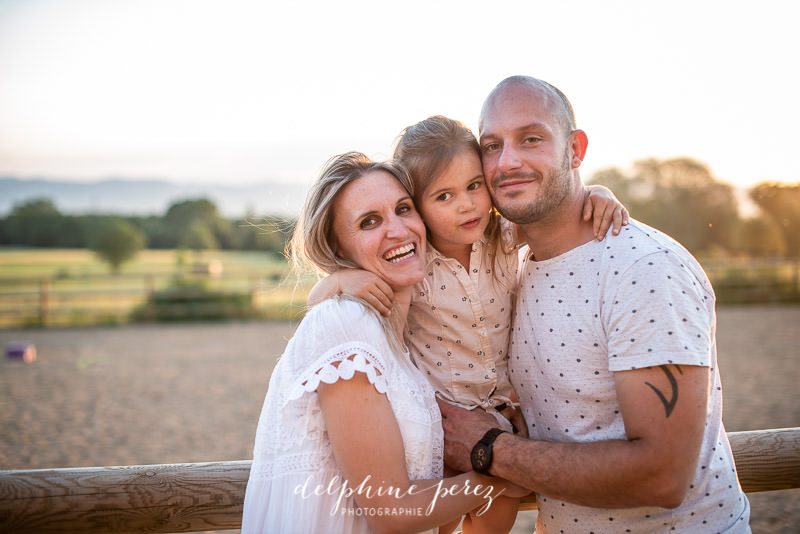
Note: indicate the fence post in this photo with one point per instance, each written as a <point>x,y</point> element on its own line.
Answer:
<point>254,286</point>
<point>149,298</point>
<point>150,286</point>
<point>44,301</point>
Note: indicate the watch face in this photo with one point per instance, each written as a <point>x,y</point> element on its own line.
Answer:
<point>480,458</point>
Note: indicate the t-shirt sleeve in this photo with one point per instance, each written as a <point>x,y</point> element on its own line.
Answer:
<point>658,314</point>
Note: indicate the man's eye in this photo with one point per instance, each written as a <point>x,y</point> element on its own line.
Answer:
<point>369,222</point>
<point>489,147</point>
<point>531,140</point>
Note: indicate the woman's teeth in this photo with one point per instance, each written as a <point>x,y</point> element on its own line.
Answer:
<point>399,254</point>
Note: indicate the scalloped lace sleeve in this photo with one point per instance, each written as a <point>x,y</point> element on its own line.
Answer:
<point>337,338</point>
<point>342,362</point>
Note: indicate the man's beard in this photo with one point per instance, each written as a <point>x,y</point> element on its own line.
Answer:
<point>556,187</point>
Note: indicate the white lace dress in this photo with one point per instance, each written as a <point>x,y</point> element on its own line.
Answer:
<point>294,483</point>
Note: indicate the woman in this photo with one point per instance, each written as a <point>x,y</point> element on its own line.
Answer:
<point>350,438</point>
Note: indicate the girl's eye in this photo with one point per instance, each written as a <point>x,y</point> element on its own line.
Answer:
<point>369,222</point>
<point>474,185</point>
<point>444,196</point>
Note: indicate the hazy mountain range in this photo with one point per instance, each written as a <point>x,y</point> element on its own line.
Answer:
<point>152,197</point>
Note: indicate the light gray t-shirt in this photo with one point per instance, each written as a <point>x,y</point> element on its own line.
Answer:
<point>631,301</point>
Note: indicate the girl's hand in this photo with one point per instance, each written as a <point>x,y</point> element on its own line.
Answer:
<point>514,415</point>
<point>365,285</point>
<point>606,209</point>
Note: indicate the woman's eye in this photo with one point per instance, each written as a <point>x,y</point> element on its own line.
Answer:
<point>403,209</point>
<point>369,222</point>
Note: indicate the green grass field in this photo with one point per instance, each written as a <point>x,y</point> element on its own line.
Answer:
<point>24,262</point>
<point>71,287</point>
<point>65,287</point>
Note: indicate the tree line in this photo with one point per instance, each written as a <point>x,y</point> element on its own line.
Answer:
<point>682,198</point>
<point>194,224</point>
<point>678,196</point>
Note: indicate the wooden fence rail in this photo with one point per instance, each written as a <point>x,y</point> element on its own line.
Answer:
<point>209,496</point>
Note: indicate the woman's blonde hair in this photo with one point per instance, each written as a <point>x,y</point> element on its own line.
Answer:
<point>427,148</point>
<point>313,245</point>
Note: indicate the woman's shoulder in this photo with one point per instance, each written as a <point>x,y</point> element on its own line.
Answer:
<point>343,318</point>
<point>343,307</point>
<point>337,337</point>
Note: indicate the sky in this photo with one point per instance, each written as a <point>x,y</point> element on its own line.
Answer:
<point>242,92</point>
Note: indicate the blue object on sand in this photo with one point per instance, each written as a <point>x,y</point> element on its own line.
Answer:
<point>21,350</point>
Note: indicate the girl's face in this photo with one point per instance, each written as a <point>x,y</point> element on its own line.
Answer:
<point>456,206</point>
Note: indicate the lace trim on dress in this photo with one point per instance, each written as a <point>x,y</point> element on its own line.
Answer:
<point>304,462</point>
<point>350,358</point>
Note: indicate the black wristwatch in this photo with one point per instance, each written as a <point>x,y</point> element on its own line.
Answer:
<point>481,455</point>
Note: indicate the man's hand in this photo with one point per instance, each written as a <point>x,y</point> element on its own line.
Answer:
<point>462,430</point>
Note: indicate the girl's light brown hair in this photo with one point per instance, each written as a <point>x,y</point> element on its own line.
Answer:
<point>427,148</point>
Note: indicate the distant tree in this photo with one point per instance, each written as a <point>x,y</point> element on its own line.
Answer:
<point>680,197</point>
<point>35,223</point>
<point>74,232</point>
<point>38,207</point>
<point>761,237</point>
<point>159,233</point>
<point>781,203</point>
<point>623,186</point>
<point>117,243</point>
<point>198,237</point>
<point>181,214</point>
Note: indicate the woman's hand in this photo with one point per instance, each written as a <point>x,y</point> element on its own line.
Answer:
<point>606,209</point>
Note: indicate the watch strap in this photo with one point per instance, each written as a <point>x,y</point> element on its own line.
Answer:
<point>490,436</point>
<point>481,455</point>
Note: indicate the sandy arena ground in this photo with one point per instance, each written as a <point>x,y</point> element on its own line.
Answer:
<point>192,393</point>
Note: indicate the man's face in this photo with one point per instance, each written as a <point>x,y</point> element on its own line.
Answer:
<point>527,156</point>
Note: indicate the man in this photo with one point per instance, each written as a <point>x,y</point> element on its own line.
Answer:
<point>613,353</point>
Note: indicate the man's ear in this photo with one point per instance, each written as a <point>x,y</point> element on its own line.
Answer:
<point>578,143</point>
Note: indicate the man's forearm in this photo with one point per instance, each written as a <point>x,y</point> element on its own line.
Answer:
<point>603,474</point>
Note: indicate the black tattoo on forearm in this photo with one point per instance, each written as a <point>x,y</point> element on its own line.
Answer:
<point>669,405</point>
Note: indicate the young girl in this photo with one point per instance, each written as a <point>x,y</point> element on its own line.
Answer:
<point>459,322</point>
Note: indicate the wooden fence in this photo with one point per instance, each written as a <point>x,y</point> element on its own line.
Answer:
<point>111,299</point>
<point>83,299</point>
<point>209,496</point>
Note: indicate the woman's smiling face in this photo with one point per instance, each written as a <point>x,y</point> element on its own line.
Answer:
<point>376,225</point>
